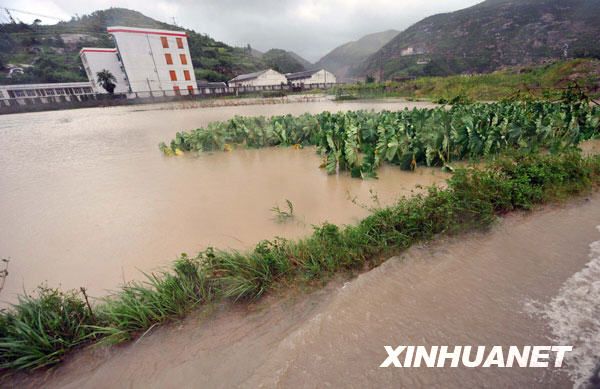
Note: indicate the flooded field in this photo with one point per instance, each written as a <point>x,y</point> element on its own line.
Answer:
<point>87,199</point>
<point>479,289</point>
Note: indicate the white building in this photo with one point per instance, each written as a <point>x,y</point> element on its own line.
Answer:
<point>97,59</point>
<point>155,60</point>
<point>320,76</point>
<point>267,77</point>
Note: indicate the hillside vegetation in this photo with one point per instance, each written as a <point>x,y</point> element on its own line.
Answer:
<point>285,61</point>
<point>488,36</point>
<point>49,53</point>
<point>523,81</point>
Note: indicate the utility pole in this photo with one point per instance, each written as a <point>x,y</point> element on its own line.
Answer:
<point>174,21</point>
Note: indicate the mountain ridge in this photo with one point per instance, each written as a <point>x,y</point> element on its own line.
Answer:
<point>343,58</point>
<point>488,36</point>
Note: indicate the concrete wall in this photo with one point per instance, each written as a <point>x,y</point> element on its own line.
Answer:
<point>143,57</point>
<point>97,59</point>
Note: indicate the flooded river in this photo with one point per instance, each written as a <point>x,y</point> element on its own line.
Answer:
<point>87,199</point>
<point>531,280</point>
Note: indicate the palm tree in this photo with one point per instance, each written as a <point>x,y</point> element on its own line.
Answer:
<point>107,81</point>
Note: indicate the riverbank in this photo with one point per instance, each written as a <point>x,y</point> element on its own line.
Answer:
<point>533,82</point>
<point>468,289</point>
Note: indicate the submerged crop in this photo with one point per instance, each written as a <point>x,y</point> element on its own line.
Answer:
<point>40,329</point>
<point>362,141</point>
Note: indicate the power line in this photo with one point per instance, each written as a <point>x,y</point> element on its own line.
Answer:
<point>33,13</point>
<point>61,31</point>
<point>9,15</point>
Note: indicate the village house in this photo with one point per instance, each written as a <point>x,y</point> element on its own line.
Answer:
<point>267,77</point>
<point>318,76</point>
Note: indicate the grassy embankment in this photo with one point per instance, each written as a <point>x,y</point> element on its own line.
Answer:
<point>536,81</point>
<point>41,328</point>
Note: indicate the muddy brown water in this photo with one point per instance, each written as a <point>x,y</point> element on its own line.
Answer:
<point>87,199</point>
<point>469,290</point>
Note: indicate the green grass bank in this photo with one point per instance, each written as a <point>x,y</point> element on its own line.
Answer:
<point>545,81</point>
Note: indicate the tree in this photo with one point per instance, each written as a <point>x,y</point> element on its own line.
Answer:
<point>107,81</point>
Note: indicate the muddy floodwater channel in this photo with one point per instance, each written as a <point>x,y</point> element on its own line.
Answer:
<point>87,199</point>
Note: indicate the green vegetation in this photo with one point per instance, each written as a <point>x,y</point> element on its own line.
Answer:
<point>107,81</point>
<point>282,215</point>
<point>361,141</point>
<point>282,61</point>
<point>528,82</point>
<point>41,328</point>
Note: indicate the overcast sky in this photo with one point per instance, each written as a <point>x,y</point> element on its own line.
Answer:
<point>309,27</point>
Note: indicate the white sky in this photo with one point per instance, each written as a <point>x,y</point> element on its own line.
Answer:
<point>309,27</point>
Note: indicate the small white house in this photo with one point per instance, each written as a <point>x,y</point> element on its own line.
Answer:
<point>267,77</point>
<point>318,76</point>
<point>96,59</point>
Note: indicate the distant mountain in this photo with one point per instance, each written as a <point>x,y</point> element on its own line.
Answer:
<point>341,59</point>
<point>49,53</point>
<point>304,62</point>
<point>285,61</point>
<point>488,36</point>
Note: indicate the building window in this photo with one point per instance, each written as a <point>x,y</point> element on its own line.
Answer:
<point>176,89</point>
<point>165,42</point>
<point>186,75</point>
<point>169,59</point>
<point>173,75</point>
<point>179,43</point>
<point>191,89</point>
<point>183,59</point>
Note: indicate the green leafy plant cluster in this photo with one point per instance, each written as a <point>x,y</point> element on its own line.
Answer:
<point>41,328</point>
<point>361,141</point>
